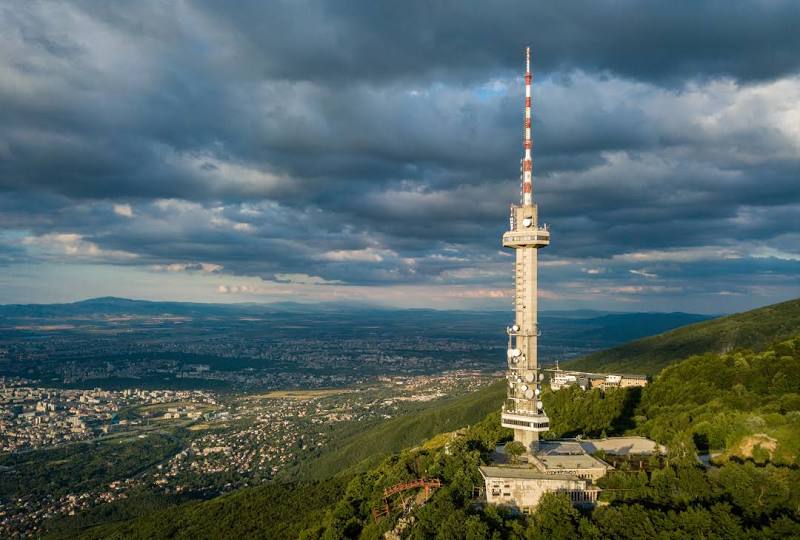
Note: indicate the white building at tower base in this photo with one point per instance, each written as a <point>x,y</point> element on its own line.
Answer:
<point>523,488</point>
<point>557,466</point>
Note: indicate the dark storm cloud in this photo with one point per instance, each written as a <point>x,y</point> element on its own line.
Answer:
<point>380,41</point>
<point>373,142</point>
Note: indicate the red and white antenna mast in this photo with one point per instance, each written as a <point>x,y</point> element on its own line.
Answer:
<point>527,162</point>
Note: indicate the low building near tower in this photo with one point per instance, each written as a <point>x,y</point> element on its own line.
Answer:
<point>523,488</point>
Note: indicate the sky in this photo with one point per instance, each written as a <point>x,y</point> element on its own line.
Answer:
<point>368,151</point>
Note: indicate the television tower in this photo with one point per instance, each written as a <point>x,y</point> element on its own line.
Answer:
<point>523,410</point>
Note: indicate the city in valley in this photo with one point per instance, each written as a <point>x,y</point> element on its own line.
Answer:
<point>198,442</point>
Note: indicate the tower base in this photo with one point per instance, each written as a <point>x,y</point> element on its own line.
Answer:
<point>562,466</point>
<point>529,439</point>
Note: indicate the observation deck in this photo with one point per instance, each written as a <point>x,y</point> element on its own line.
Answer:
<point>526,421</point>
<point>538,238</point>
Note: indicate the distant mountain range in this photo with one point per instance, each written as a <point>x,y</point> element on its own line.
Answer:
<point>110,305</point>
<point>116,305</point>
<point>565,334</point>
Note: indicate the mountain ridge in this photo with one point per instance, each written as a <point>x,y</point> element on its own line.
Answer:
<point>755,329</point>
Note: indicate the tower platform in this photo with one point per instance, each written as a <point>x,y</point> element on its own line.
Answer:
<point>522,488</point>
<point>560,466</point>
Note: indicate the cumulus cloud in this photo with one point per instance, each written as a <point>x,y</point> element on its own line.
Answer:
<point>237,289</point>
<point>361,255</point>
<point>123,210</point>
<point>208,268</point>
<point>73,246</point>
<point>304,279</point>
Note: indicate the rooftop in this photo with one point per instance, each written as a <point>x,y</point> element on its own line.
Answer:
<point>565,454</point>
<point>560,447</point>
<point>558,461</point>
<point>522,472</point>
<point>624,446</point>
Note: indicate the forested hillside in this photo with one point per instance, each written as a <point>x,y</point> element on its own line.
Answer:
<point>276,510</point>
<point>743,404</point>
<point>740,403</point>
<point>755,329</point>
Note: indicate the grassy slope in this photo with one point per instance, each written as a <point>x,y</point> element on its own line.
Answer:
<point>754,329</point>
<point>267,512</point>
<point>371,444</point>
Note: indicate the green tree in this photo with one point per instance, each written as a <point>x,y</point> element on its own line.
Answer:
<point>514,450</point>
<point>682,450</point>
<point>476,529</point>
<point>555,518</point>
<point>452,527</point>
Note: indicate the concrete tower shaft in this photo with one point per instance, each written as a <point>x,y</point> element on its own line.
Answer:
<point>523,411</point>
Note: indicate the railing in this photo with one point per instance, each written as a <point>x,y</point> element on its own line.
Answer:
<point>428,484</point>
<point>421,482</point>
<point>514,237</point>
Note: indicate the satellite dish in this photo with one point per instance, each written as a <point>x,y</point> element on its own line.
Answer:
<point>529,377</point>
<point>539,404</point>
<point>527,222</point>
<point>541,376</point>
<point>537,391</point>
<point>515,328</point>
<point>529,394</point>
<point>524,387</point>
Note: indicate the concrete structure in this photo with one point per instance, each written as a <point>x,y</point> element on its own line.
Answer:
<point>523,411</point>
<point>565,457</point>
<point>624,446</point>
<point>547,466</point>
<point>560,378</point>
<point>523,487</point>
<point>627,380</point>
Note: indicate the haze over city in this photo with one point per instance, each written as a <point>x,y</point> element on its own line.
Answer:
<point>182,151</point>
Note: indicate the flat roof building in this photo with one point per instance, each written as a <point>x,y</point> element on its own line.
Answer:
<point>523,488</point>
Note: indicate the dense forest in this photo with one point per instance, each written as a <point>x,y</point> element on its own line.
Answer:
<point>737,404</point>
<point>742,405</point>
